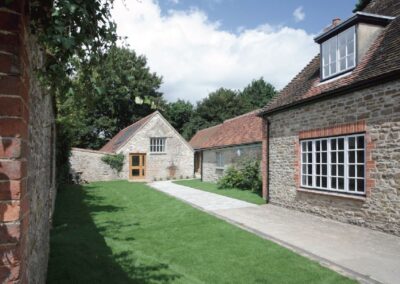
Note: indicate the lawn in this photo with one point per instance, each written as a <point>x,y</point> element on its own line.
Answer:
<point>245,195</point>
<point>121,232</point>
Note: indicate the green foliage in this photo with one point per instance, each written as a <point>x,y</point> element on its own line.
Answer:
<point>114,90</point>
<point>246,176</point>
<point>116,161</point>
<point>361,4</point>
<point>256,95</point>
<point>179,113</point>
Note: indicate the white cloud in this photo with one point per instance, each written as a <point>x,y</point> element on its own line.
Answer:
<point>299,14</point>
<point>195,56</point>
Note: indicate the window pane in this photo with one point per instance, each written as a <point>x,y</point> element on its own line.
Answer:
<point>342,64</point>
<point>333,144</point>
<point>352,184</point>
<point>135,161</point>
<point>333,170</point>
<point>333,68</point>
<point>324,157</point>
<point>341,157</point>
<point>309,180</point>
<point>341,143</point>
<point>318,169</point>
<point>310,158</point>
<point>309,146</point>
<point>360,156</point>
<point>304,169</point>
<point>304,180</point>
<point>350,61</point>
<point>352,157</point>
<point>135,172</point>
<point>318,157</point>
<point>318,145</point>
<point>333,157</point>
<point>318,181</point>
<point>352,171</point>
<point>324,182</point>
<point>341,170</point>
<point>352,142</point>
<point>360,185</point>
<point>360,142</point>
<point>303,146</point>
<point>360,171</point>
<point>341,183</point>
<point>324,170</point>
<point>333,183</point>
<point>324,147</point>
<point>309,169</point>
<point>304,157</point>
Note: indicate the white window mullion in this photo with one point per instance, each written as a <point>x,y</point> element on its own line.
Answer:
<point>346,164</point>
<point>328,162</point>
<point>314,157</point>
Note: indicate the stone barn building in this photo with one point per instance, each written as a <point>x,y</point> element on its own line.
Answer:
<point>226,144</point>
<point>332,135</point>
<point>152,148</point>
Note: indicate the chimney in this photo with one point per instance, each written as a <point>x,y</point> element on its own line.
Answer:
<point>335,22</point>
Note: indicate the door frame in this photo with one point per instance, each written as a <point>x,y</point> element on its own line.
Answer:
<point>142,166</point>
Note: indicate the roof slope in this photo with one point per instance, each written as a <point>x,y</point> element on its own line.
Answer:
<point>244,129</point>
<point>124,135</point>
<point>382,59</point>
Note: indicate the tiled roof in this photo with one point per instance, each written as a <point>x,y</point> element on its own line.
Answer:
<point>244,129</point>
<point>381,60</point>
<point>124,135</point>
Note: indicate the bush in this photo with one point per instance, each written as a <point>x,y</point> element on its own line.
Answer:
<point>247,177</point>
<point>116,162</point>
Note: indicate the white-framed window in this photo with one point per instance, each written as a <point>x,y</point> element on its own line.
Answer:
<point>339,53</point>
<point>220,160</point>
<point>157,145</point>
<point>334,164</point>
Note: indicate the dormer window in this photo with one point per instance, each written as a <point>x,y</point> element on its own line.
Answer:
<point>339,53</point>
<point>344,44</point>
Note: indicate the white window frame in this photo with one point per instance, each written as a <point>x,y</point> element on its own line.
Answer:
<point>158,144</point>
<point>349,36</point>
<point>220,163</point>
<point>346,164</point>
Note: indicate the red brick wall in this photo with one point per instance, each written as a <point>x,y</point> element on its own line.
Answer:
<point>14,116</point>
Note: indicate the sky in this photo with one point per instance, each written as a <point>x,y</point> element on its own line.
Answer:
<point>200,46</point>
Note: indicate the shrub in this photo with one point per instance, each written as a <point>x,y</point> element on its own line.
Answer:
<point>116,162</point>
<point>246,176</point>
<point>232,178</point>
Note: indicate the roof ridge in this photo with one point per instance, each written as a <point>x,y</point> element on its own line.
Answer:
<point>242,115</point>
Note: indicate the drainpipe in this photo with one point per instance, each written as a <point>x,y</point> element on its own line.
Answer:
<point>201,167</point>
<point>265,158</point>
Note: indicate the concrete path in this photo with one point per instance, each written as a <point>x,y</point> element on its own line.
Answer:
<point>367,255</point>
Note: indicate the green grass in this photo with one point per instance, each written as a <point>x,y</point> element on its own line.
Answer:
<point>245,195</point>
<point>121,232</point>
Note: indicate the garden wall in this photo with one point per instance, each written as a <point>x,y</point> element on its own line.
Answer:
<point>27,159</point>
<point>87,164</point>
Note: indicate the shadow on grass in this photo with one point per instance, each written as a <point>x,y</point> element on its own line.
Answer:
<point>78,251</point>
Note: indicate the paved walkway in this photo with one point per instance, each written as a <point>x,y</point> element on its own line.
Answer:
<point>370,256</point>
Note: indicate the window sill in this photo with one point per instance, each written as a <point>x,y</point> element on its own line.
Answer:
<point>220,168</point>
<point>155,153</point>
<point>333,194</point>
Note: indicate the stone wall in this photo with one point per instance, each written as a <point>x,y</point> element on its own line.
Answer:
<point>87,164</point>
<point>379,109</point>
<point>27,165</point>
<point>178,151</point>
<point>210,171</point>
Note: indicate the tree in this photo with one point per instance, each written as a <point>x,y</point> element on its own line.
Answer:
<point>256,95</point>
<point>179,113</point>
<point>361,5</point>
<point>108,94</point>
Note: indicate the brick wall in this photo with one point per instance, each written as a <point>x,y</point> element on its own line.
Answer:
<point>375,112</point>
<point>26,152</point>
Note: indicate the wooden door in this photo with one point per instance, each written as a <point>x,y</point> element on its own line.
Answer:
<point>137,166</point>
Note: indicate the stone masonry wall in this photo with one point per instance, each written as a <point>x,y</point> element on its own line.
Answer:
<point>379,109</point>
<point>89,166</point>
<point>27,165</point>
<point>178,151</point>
<point>210,171</point>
